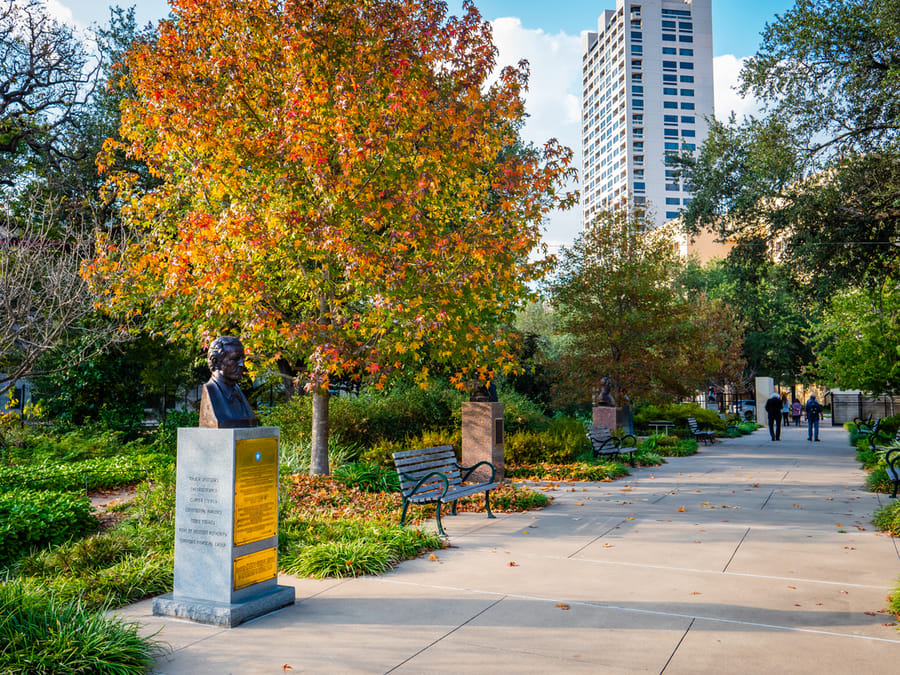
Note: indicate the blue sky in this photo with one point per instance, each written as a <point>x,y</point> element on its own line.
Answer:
<point>547,34</point>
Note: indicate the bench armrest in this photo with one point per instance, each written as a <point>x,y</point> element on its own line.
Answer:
<point>426,477</point>
<point>623,442</point>
<point>467,470</point>
<point>599,445</point>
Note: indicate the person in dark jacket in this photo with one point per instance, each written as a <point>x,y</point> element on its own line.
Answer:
<point>813,412</point>
<point>773,411</point>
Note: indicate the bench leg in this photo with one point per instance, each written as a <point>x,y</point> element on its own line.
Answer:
<point>437,514</point>
<point>487,504</point>
<point>403,512</point>
<point>896,485</point>
<point>453,508</point>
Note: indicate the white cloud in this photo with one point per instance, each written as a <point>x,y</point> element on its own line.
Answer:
<point>726,78</point>
<point>553,100</point>
<point>61,13</point>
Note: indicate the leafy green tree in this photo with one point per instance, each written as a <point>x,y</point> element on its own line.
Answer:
<point>773,310</point>
<point>626,316</point>
<point>858,340</point>
<point>819,173</point>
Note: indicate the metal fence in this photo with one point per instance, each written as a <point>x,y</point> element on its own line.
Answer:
<point>847,407</point>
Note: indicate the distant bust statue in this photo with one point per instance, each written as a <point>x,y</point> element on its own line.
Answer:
<point>222,405</point>
<point>605,399</point>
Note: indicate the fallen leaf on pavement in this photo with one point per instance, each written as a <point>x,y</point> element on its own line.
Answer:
<point>563,605</point>
<point>512,563</point>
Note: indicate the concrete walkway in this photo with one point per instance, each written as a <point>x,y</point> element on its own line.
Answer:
<point>750,557</point>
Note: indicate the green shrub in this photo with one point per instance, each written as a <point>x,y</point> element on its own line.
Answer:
<point>403,411</point>
<point>516,498</point>
<point>349,547</point>
<point>679,414</point>
<point>90,474</point>
<point>29,519</point>
<point>381,454</point>
<point>887,518</point>
<point>878,480</point>
<point>40,635</point>
<point>669,446</point>
<point>165,439</point>
<point>367,477</point>
<point>521,413</point>
<point>529,447</point>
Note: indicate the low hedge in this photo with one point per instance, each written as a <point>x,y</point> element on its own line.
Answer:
<point>90,474</point>
<point>29,519</point>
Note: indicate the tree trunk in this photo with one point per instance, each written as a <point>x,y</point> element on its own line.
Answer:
<point>318,464</point>
<point>287,378</point>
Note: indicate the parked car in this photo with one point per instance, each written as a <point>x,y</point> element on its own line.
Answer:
<point>745,408</point>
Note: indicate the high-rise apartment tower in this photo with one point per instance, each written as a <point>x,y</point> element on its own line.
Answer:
<point>648,83</point>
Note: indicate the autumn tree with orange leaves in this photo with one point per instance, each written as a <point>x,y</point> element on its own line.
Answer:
<point>340,188</point>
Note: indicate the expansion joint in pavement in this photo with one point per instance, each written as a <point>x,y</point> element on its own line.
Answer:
<point>447,634</point>
<point>675,651</point>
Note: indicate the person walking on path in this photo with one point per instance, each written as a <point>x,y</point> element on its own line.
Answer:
<point>796,411</point>
<point>785,411</point>
<point>773,411</point>
<point>813,411</point>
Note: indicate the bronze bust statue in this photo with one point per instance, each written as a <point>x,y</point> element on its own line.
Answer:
<point>222,404</point>
<point>605,399</point>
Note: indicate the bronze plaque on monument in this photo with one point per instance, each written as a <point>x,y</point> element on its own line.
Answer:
<point>255,490</point>
<point>255,567</point>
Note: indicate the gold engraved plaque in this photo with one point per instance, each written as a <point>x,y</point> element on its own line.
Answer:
<point>255,489</point>
<point>255,567</point>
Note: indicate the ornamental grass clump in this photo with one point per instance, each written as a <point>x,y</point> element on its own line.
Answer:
<point>41,635</point>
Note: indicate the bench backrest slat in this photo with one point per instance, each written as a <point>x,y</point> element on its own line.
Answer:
<point>600,434</point>
<point>413,465</point>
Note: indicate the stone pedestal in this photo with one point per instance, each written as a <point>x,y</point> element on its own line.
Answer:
<point>765,387</point>
<point>226,527</point>
<point>482,438</point>
<point>604,416</point>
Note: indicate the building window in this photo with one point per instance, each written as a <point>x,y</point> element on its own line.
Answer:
<point>636,36</point>
<point>668,24</point>
<point>687,92</point>
<point>640,201</point>
<point>669,51</point>
<point>684,106</point>
<point>668,37</point>
<point>637,119</point>
<point>687,119</point>
<point>671,173</point>
<point>637,77</point>
<point>639,146</point>
<point>672,104</point>
<point>689,133</point>
<point>640,187</point>
<point>670,119</point>
<point>637,90</point>
<point>670,65</point>
<point>670,133</point>
<point>637,50</point>
<point>670,91</point>
<point>685,52</point>
<point>671,146</point>
<point>685,25</point>
<point>638,160</point>
<point>688,79</point>
<point>686,65</point>
<point>667,77</point>
<point>637,104</point>
<point>685,38</point>
<point>636,64</point>
<point>690,147</point>
<point>672,214</point>
<point>673,201</point>
<point>672,187</point>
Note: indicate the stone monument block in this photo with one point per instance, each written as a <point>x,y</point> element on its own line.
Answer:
<point>226,527</point>
<point>765,387</point>
<point>483,438</point>
<point>604,416</point>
